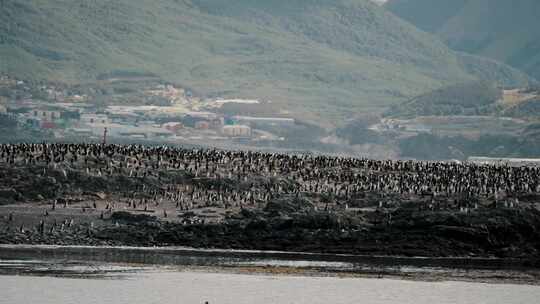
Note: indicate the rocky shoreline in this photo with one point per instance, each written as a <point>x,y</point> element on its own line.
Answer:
<point>198,203</point>
<point>503,234</point>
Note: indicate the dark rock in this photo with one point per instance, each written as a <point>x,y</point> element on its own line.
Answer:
<point>8,196</point>
<point>287,205</point>
<point>123,216</point>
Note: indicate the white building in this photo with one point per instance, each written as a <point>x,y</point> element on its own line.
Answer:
<point>125,131</point>
<point>238,100</point>
<point>236,131</point>
<point>272,121</point>
<point>202,115</point>
<point>81,132</point>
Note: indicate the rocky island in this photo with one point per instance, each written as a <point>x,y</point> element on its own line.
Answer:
<point>93,194</point>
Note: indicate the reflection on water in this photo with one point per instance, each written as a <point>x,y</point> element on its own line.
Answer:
<point>96,262</point>
<point>53,275</point>
<point>53,268</point>
<point>285,263</point>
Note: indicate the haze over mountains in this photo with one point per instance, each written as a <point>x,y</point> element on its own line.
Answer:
<point>328,58</point>
<point>508,31</point>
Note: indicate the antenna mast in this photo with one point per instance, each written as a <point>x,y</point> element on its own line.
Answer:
<point>105,136</point>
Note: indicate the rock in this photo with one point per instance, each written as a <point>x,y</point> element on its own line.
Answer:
<point>287,205</point>
<point>123,216</point>
<point>9,195</point>
<point>99,195</point>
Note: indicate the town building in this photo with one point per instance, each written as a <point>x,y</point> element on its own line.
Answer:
<point>3,110</point>
<point>265,121</point>
<point>32,122</point>
<point>147,131</point>
<point>46,115</point>
<point>202,115</point>
<point>173,126</point>
<point>81,132</point>
<point>237,100</point>
<point>202,125</point>
<point>127,118</point>
<point>190,121</point>
<point>217,123</point>
<point>48,125</point>
<point>91,119</point>
<point>236,131</point>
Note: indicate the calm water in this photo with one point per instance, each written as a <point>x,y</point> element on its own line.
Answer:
<point>193,287</point>
<point>56,275</point>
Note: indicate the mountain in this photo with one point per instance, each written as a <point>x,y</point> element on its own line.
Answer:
<point>428,15</point>
<point>324,58</point>
<point>508,31</point>
<point>471,98</point>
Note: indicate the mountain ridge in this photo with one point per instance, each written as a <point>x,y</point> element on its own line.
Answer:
<point>508,31</point>
<point>328,58</point>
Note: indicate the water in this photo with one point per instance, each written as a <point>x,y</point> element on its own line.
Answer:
<point>167,287</point>
<point>87,275</point>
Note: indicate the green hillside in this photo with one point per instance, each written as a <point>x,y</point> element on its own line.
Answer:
<point>328,58</point>
<point>508,31</point>
<point>471,98</point>
<point>428,15</point>
<point>529,108</point>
